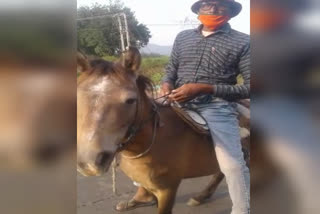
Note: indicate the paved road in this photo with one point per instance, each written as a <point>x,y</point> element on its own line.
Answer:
<point>95,196</point>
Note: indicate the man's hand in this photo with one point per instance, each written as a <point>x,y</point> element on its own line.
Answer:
<point>166,88</point>
<point>190,91</point>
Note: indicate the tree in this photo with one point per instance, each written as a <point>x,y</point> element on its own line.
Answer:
<point>101,36</point>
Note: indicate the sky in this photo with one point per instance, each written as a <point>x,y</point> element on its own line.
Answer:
<point>165,18</point>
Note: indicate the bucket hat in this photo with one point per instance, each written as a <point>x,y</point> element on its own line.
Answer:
<point>235,6</point>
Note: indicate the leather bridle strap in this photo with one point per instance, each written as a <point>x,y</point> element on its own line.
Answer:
<point>135,128</point>
<point>154,133</point>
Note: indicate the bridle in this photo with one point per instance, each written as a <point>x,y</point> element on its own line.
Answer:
<point>136,126</point>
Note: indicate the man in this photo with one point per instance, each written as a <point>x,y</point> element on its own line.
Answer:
<point>202,74</point>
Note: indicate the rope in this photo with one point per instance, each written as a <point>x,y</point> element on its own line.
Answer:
<point>114,162</point>
<point>114,185</point>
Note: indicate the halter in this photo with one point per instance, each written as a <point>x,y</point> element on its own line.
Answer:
<point>136,126</point>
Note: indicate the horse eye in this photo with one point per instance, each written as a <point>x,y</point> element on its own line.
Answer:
<point>131,101</point>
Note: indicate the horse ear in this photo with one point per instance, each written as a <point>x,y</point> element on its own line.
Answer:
<point>131,59</point>
<point>82,63</point>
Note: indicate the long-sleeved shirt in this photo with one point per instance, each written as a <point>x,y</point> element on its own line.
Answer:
<point>216,59</point>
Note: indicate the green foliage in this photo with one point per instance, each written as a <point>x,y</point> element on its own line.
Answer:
<point>101,36</point>
<point>154,67</point>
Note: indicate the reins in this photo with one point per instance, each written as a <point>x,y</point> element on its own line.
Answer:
<point>166,97</point>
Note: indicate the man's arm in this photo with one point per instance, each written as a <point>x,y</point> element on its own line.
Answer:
<point>171,70</point>
<point>236,92</point>
<point>168,81</point>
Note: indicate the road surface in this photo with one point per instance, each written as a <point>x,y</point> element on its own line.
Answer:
<point>95,196</point>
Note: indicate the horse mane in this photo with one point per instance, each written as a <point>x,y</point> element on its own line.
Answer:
<point>145,86</point>
<point>102,67</point>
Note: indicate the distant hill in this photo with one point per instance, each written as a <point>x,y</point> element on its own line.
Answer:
<point>156,49</point>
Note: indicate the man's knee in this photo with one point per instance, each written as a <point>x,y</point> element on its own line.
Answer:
<point>233,167</point>
<point>230,161</point>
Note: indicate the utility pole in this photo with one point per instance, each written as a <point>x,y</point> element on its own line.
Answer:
<point>124,30</point>
<point>121,33</point>
<point>122,24</point>
<point>127,29</point>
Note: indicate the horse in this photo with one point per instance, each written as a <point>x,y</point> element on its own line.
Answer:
<point>116,115</point>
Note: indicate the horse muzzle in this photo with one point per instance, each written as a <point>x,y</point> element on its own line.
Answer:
<point>100,166</point>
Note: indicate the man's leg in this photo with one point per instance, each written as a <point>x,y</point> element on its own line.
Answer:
<point>222,120</point>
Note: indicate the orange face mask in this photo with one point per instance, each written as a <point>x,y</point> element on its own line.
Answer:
<point>213,22</point>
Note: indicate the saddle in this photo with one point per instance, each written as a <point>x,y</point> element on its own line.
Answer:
<point>199,124</point>
<point>193,119</point>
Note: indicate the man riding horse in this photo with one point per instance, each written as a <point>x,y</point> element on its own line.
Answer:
<point>202,74</point>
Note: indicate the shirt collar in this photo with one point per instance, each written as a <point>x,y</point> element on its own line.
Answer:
<point>224,29</point>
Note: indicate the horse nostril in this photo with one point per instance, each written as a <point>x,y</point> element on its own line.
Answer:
<point>102,158</point>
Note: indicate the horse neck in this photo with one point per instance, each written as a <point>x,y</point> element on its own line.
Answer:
<point>145,108</point>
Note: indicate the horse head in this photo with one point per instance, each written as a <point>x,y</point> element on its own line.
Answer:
<point>107,97</point>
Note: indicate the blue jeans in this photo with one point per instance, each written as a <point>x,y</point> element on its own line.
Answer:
<point>221,117</point>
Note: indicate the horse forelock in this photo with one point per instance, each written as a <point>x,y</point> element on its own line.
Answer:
<point>102,68</point>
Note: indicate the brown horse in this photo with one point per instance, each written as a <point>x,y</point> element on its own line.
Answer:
<point>157,149</point>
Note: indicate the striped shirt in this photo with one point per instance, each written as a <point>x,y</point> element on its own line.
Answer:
<point>216,59</point>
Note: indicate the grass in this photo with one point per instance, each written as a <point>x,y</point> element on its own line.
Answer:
<point>110,58</point>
